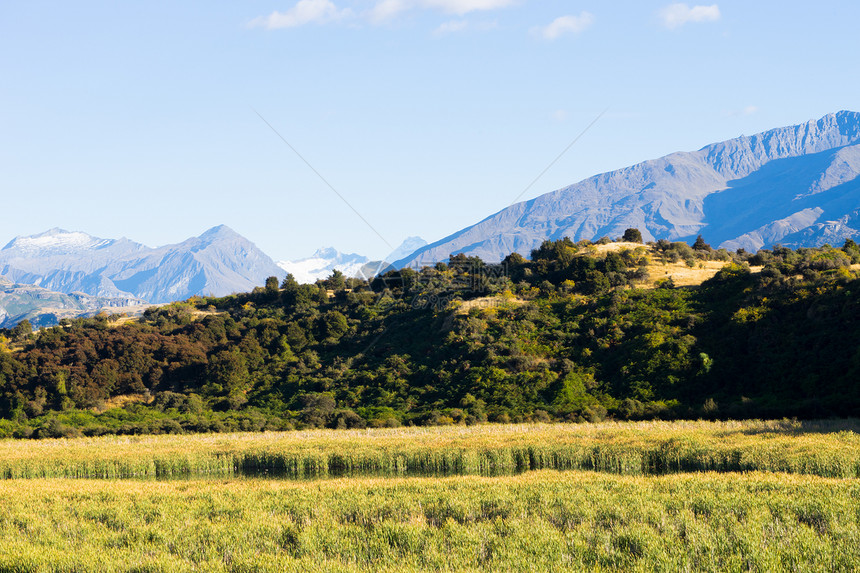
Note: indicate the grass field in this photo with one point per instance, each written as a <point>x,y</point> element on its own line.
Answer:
<point>828,449</point>
<point>541,521</point>
<point>648,509</point>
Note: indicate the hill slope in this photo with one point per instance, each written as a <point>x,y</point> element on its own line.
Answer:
<point>567,336</point>
<point>796,185</point>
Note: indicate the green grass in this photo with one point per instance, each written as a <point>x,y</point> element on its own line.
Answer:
<point>541,521</point>
<point>828,449</point>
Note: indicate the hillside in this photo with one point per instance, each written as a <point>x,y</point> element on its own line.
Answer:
<point>796,186</point>
<point>579,332</point>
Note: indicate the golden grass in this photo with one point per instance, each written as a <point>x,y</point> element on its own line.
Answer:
<point>123,400</point>
<point>631,448</point>
<point>680,273</point>
<point>487,302</point>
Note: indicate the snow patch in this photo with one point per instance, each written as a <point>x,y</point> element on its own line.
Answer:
<point>322,264</point>
<point>56,241</point>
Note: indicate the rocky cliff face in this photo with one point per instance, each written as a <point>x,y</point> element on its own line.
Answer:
<point>797,186</point>
<point>218,262</point>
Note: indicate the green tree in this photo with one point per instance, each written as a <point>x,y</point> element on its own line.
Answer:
<point>227,376</point>
<point>296,337</point>
<point>22,330</point>
<point>632,235</point>
<point>852,250</point>
<point>335,325</point>
<point>290,282</point>
<point>701,245</point>
<point>336,281</point>
<point>317,409</point>
<point>321,295</point>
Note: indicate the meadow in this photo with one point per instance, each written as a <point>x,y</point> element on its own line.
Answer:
<point>645,496</point>
<point>827,449</point>
<point>539,521</point>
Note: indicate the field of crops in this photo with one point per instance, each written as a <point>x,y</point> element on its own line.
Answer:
<point>648,508</point>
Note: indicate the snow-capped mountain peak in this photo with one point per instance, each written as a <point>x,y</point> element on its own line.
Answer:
<point>56,241</point>
<point>218,262</point>
<point>324,261</point>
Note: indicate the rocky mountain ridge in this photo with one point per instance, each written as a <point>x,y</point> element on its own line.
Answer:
<point>218,262</point>
<point>44,308</point>
<point>796,185</point>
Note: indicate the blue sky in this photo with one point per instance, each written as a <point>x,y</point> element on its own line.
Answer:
<point>139,119</point>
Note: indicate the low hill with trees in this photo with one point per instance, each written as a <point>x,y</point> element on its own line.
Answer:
<point>581,332</point>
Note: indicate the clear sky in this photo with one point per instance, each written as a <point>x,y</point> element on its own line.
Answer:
<point>139,119</point>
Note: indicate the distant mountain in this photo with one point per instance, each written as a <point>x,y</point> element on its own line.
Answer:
<point>218,262</point>
<point>45,308</point>
<point>323,262</point>
<point>406,248</point>
<point>797,186</point>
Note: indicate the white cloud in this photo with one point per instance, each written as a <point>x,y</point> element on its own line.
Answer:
<point>324,11</point>
<point>461,7</point>
<point>385,10</point>
<point>304,12</point>
<point>565,25</point>
<point>451,27</point>
<point>455,26</point>
<point>560,115</point>
<point>676,15</point>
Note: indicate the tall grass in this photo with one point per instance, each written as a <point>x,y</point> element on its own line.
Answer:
<point>541,521</point>
<point>828,449</point>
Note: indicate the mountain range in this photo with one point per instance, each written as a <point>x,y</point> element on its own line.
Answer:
<point>218,262</point>
<point>67,274</point>
<point>797,186</point>
<point>323,262</point>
